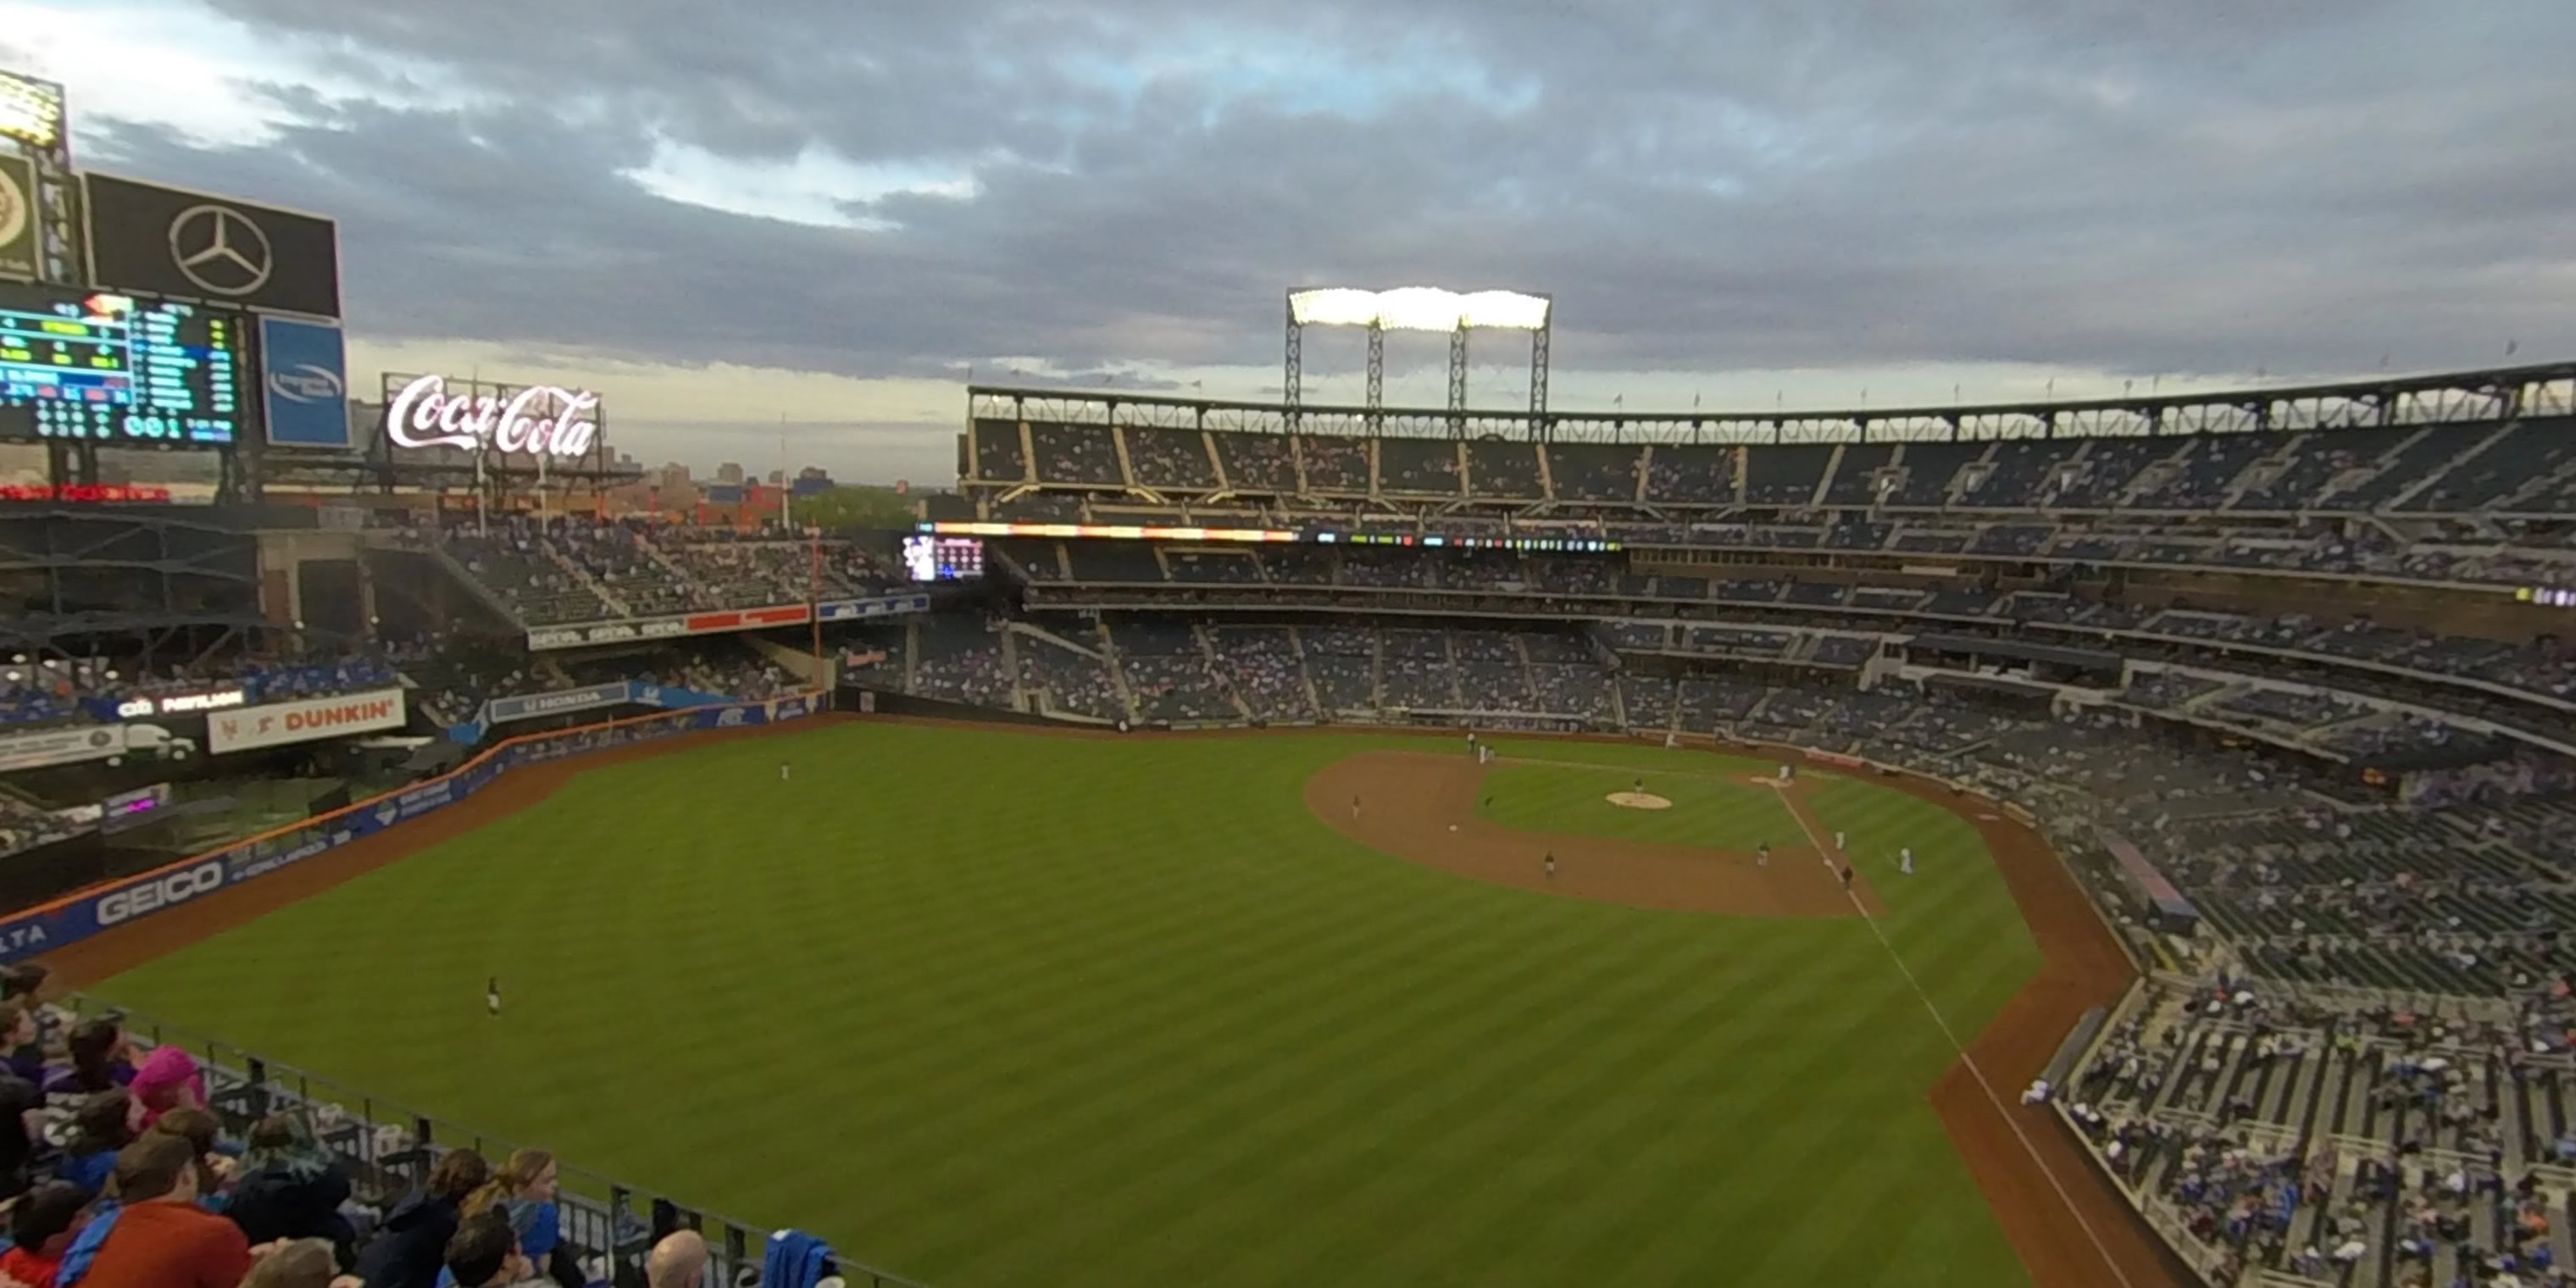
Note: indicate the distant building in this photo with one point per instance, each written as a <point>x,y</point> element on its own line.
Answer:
<point>729,472</point>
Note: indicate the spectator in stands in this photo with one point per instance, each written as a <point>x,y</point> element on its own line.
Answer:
<point>169,1079</point>
<point>485,1254</point>
<point>18,1097</point>
<point>292,1188</point>
<point>678,1261</point>
<point>41,1228</point>
<point>23,982</point>
<point>101,1127</point>
<point>410,1248</point>
<point>204,1133</point>
<point>304,1263</point>
<point>98,1054</point>
<point>19,1041</point>
<point>153,1234</point>
<point>523,1190</point>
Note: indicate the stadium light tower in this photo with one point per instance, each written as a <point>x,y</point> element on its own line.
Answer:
<point>1419,308</point>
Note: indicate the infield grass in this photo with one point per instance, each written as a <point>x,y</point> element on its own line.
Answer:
<point>991,1008</point>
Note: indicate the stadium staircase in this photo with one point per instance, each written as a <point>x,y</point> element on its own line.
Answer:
<point>1377,670</point>
<point>1207,653</point>
<point>1126,463</point>
<point>1019,627</point>
<point>594,585</point>
<point>1117,673</point>
<point>2434,477</point>
<point>1314,698</point>
<point>1976,469</point>
<point>1645,472</point>
<point>1546,476</point>
<point>1825,480</point>
<point>463,576</point>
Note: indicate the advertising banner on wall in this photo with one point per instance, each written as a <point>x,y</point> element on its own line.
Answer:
<point>175,241</point>
<point>304,382</point>
<point>21,232</point>
<point>276,724</point>
<point>55,747</point>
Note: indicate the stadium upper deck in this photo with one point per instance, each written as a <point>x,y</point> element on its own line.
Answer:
<point>2494,444</point>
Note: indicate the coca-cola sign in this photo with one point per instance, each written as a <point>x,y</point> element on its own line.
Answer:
<point>541,420</point>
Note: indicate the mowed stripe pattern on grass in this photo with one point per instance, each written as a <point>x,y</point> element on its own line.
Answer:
<point>996,1009</point>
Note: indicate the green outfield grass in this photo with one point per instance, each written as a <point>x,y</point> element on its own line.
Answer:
<point>988,1008</point>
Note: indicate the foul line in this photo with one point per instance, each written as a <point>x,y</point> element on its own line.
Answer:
<point>1825,855</point>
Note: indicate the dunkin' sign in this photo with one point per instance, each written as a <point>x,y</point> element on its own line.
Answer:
<point>275,724</point>
<point>541,420</point>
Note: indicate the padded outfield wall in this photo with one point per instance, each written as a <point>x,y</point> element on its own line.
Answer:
<point>85,913</point>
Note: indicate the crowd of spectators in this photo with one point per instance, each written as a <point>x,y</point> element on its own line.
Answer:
<point>129,1166</point>
<point>2448,470</point>
<point>65,690</point>
<point>574,568</point>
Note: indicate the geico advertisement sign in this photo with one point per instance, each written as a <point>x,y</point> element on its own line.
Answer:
<point>278,723</point>
<point>160,892</point>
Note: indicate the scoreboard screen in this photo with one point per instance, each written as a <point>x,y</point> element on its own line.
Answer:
<point>943,558</point>
<point>120,370</point>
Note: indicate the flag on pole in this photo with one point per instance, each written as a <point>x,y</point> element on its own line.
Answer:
<point>2511,347</point>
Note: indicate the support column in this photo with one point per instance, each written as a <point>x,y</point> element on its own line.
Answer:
<point>1458,382</point>
<point>1376,376</point>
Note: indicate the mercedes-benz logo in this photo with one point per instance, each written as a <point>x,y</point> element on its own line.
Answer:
<point>221,249</point>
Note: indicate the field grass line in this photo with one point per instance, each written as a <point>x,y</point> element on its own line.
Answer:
<point>1825,855</point>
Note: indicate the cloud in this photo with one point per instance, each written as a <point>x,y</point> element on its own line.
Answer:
<point>1712,193</point>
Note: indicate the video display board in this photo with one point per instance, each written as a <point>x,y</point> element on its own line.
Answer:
<point>121,370</point>
<point>943,558</point>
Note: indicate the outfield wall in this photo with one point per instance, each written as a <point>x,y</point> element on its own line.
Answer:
<point>79,915</point>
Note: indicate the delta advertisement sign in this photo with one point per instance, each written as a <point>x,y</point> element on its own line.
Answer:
<point>275,724</point>
<point>67,921</point>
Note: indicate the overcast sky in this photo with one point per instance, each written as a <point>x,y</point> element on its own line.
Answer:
<point>829,210</point>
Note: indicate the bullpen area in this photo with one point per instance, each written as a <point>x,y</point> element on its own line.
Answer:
<point>997,1007</point>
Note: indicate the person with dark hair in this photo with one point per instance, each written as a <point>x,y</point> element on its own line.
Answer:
<point>97,1050</point>
<point>155,1235</point>
<point>200,1128</point>
<point>40,1231</point>
<point>17,1149</point>
<point>98,1131</point>
<point>21,1043</point>
<point>523,1190</point>
<point>485,1253</point>
<point>291,1187</point>
<point>410,1248</point>
<point>23,981</point>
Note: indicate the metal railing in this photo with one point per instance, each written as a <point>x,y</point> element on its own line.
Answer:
<point>389,1148</point>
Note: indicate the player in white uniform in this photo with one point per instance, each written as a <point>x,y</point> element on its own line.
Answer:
<point>782,771</point>
<point>492,996</point>
<point>1905,860</point>
<point>1840,843</point>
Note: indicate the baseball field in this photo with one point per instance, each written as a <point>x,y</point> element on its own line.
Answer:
<point>1000,1008</point>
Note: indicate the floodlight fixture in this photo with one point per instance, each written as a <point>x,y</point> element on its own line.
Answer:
<point>1420,308</point>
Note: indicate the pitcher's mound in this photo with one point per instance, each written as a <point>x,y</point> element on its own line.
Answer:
<point>1639,800</point>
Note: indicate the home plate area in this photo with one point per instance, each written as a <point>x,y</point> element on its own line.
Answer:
<point>1639,800</point>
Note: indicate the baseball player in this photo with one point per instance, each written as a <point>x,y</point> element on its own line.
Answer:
<point>1840,842</point>
<point>492,996</point>
<point>782,771</point>
<point>1355,805</point>
<point>1551,865</point>
<point>1905,860</point>
<point>1762,855</point>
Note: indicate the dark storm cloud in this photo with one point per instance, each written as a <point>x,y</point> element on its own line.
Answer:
<point>2188,187</point>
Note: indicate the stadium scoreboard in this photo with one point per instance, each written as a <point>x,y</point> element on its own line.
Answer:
<point>118,370</point>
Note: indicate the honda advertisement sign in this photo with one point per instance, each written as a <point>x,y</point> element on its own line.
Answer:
<point>173,241</point>
<point>276,724</point>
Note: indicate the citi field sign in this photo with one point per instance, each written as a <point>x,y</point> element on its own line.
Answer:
<point>541,420</point>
